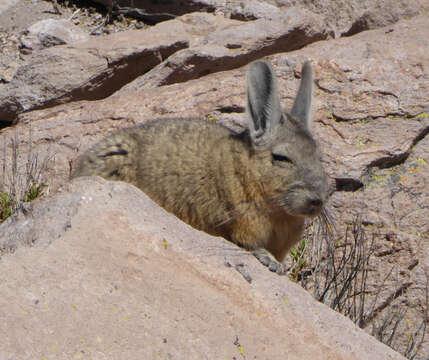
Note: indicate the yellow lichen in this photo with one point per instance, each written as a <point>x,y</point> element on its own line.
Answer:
<point>421,161</point>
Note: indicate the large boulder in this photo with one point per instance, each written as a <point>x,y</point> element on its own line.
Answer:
<point>100,271</point>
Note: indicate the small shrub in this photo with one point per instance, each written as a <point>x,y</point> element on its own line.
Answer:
<point>336,273</point>
<point>20,184</point>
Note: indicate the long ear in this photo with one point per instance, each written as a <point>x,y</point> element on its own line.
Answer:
<point>263,103</point>
<point>302,105</point>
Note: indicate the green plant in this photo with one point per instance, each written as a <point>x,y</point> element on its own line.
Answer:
<point>299,260</point>
<point>33,192</point>
<point>5,206</point>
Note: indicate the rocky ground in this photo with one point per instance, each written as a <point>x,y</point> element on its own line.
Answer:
<point>61,91</point>
<point>17,18</point>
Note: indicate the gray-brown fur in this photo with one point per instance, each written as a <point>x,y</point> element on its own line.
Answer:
<point>255,189</point>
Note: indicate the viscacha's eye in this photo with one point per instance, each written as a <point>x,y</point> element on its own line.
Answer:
<point>282,158</point>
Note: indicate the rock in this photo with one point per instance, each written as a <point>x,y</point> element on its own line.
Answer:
<point>96,68</point>
<point>345,18</point>
<point>342,16</point>
<point>50,32</point>
<point>55,75</point>
<point>9,61</point>
<point>7,4</point>
<point>19,14</point>
<point>362,94</point>
<point>90,69</point>
<point>231,45</point>
<point>91,274</point>
<point>252,10</point>
<point>235,45</point>
<point>352,17</point>
<point>7,72</point>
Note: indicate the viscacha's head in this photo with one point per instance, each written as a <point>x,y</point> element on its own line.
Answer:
<point>285,155</point>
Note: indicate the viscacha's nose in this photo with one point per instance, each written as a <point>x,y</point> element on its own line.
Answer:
<point>314,205</point>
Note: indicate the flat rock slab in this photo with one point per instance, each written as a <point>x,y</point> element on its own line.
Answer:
<point>237,44</point>
<point>107,279</point>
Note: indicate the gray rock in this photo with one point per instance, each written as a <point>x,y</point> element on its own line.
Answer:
<point>90,69</point>
<point>51,32</point>
<point>6,4</point>
<point>252,10</point>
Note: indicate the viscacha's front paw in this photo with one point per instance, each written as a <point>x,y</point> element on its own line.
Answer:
<point>267,259</point>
